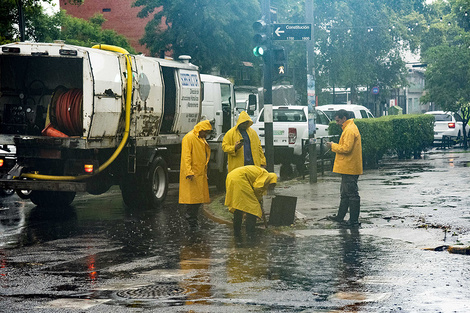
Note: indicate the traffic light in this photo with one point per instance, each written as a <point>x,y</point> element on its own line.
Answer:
<point>279,60</point>
<point>260,38</point>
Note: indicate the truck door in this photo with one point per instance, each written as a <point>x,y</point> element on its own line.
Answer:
<point>229,111</point>
<point>149,97</point>
<point>189,102</point>
<point>107,98</point>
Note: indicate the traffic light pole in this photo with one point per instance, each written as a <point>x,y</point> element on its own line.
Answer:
<point>312,146</point>
<point>268,93</point>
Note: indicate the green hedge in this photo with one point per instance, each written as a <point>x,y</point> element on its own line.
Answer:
<point>406,135</point>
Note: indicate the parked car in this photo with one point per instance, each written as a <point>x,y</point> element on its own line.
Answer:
<point>355,111</point>
<point>290,132</point>
<point>448,124</point>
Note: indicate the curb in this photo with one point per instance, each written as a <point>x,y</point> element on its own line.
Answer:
<point>207,213</point>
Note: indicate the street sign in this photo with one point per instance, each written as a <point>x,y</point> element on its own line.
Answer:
<point>292,31</point>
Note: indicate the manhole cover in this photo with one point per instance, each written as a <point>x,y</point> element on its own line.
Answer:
<point>162,290</point>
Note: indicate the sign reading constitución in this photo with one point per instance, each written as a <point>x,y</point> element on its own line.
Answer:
<point>292,31</point>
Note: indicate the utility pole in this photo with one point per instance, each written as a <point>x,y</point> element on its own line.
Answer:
<point>21,25</point>
<point>268,90</point>
<point>311,96</point>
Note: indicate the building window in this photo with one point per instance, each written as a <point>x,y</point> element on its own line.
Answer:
<point>107,10</point>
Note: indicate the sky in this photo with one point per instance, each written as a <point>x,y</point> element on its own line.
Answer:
<point>51,9</point>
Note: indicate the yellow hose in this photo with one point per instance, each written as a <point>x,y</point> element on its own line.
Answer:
<point>126,130</point>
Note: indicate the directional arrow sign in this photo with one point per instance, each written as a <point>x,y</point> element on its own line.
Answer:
<point>292,32</point>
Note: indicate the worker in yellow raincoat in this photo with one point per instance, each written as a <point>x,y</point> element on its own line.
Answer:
<point>195,154</point>
<point>245,187</point>
<point>242,144</point>
<point>348,163</point>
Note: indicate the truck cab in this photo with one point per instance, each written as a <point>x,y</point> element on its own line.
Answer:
<point>218,106</point>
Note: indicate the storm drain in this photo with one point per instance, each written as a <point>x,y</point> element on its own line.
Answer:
<point>159,291</point>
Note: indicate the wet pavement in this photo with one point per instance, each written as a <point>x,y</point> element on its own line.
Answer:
<point>97,256</point>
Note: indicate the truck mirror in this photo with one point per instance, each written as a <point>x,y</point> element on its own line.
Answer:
<point>251,104</point>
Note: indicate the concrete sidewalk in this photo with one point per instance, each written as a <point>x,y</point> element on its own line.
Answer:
<point>424,202</point>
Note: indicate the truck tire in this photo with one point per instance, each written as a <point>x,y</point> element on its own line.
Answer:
<point>146,188</point>
<point>23,194</point>
<point>156,183</point>
<point>52,198</point>
<point>130,191</point>
<point>6,192</point>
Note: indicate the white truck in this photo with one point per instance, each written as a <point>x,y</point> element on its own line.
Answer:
<point>290,134</point>
<point>84,119</point>
<point>218,106</point>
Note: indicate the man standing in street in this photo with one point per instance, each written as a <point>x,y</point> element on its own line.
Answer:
<point>348,163</point>
<point>242,144</point>
<point>193,187</point>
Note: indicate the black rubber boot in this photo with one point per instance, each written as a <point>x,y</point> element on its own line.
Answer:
<point>354,210</point>
<point>343,209</point>
<point>237,222</point>
<point>250,223</point>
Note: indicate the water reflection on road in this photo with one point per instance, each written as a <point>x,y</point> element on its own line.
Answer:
<point>99,256</point>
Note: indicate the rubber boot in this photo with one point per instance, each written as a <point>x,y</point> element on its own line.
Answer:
<point>354,210</point>
<point>192,211</point>
<point>250,223</point>
<point>237,222</point>
<point>343,209</point>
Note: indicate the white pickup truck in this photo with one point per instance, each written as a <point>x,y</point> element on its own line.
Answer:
<point>290,132</point>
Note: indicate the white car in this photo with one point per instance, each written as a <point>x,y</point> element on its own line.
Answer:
<point>448,124</point>
<point>355,111</point>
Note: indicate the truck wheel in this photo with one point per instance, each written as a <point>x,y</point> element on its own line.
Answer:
<point>52,198</point>
<point>23,194</point>
<point>6,192</point>
<point>130,191</point>
<point>285,171</point>
<point>300,165</point>
<point>146,188</point>
<point>156,183</point>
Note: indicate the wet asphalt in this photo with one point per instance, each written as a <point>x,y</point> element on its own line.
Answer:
<point>98,256</point>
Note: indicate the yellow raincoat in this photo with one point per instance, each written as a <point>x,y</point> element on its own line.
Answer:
<point>236,158</point>
<point>348,151</point>
<point>195,154</point>
<point>245,188</point>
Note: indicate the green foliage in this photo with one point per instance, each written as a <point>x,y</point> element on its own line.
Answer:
<point>80,32</point>
<point>216,34</point>
<point>405,135</point>
<point>41,27</point>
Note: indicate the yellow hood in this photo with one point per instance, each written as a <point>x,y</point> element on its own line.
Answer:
<point>202,125</point>
<point>243,118</point>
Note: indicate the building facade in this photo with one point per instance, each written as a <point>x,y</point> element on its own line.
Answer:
<point>120,16</point>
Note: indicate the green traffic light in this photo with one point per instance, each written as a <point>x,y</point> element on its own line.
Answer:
<point>258,51</point>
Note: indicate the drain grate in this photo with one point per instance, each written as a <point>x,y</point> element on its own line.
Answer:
<point>162,290</point>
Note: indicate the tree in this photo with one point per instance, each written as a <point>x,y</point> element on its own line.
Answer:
<point>448,62</point>
<point>41,27</point>
<point>77,31</point>
<point>9,17</point>
<point>215,33</point>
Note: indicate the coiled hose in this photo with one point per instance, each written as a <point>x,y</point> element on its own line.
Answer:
<point>126,130</point>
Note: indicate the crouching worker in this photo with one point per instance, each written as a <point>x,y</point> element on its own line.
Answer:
<point>195,154</point>
<point>245,187</point>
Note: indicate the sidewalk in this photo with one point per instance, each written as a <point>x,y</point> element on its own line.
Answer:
<point>424,202</point>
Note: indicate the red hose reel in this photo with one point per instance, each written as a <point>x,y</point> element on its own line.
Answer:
<point>65,113</point>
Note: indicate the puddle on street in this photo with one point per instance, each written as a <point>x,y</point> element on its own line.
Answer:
<point>149,259</point>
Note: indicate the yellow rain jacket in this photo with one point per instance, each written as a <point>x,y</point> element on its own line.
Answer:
<point>246,186</point>
<point>236,158</point>
<point>195,154</point>
<point>348,151</point>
